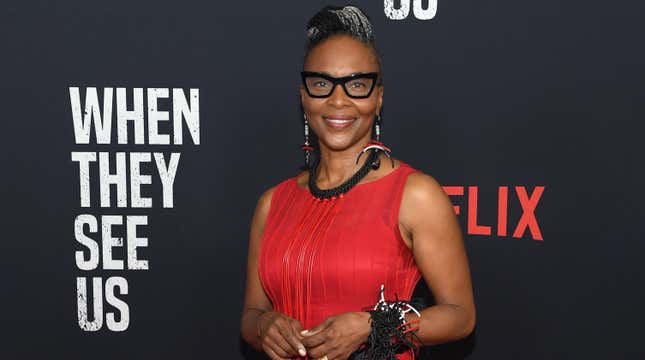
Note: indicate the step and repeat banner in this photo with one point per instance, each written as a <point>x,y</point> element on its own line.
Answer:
<point>138,137</point>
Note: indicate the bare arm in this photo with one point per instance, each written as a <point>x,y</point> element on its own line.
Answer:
<point>256,301</point>
<point>274,333</point>
<point>428,217</point>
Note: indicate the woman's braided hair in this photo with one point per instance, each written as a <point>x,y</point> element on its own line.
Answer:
<point>340,20</point>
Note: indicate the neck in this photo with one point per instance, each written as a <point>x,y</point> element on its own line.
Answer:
<point>336,167</point>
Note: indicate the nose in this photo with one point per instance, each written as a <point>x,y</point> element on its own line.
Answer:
<point>338,96</point>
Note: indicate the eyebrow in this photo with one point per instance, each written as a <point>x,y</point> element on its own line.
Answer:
<point>342,76</point>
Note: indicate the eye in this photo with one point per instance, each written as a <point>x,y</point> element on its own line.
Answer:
<point>320,83</point>
<point>357,84</point>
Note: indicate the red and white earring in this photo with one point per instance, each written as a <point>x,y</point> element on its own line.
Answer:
<point>376,145</point>
<point>306,146</point>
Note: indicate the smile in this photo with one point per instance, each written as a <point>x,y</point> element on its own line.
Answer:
<point>339,122</point>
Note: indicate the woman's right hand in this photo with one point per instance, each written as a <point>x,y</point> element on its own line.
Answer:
<point>280,336</point>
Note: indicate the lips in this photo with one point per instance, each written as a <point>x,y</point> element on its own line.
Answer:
<point>339,122</point>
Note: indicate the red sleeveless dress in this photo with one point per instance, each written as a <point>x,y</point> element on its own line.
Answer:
<point>322,258</point>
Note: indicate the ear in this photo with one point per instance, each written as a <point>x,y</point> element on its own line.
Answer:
<point>303,93</point>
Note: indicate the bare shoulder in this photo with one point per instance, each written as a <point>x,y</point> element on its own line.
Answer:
<point>422,187</point>
<point>261,213</point>
<point>423,198</point>
<point>264,202</point>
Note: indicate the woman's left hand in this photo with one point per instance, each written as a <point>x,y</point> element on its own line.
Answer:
<point>338,336</point>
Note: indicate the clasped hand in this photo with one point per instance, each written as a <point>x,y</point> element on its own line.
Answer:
<point>337,337</point>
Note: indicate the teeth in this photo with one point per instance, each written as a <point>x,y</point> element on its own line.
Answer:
<point>339,121</point>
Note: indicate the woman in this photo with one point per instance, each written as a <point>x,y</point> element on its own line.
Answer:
<point>318,259</point>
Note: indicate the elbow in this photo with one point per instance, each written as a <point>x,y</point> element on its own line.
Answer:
<point>471,322</point>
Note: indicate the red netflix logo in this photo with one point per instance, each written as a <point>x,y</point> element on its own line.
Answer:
<point>526,221</point>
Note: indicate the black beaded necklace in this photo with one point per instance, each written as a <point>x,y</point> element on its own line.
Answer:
<point>341,189</point>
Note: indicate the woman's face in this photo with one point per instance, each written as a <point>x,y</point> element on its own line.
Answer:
<point>340,56</point>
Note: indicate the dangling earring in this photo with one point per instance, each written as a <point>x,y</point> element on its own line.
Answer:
<point>377,127</point>
<point>306,147</point>
<point>377,145</point>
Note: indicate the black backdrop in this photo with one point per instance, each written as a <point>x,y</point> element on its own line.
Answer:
<point>487,94</point>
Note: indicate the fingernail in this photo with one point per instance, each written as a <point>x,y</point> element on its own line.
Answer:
<point>302,352</point>
<point>304,332</point>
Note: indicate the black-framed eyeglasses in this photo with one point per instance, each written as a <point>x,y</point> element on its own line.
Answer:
<point>357,86</point>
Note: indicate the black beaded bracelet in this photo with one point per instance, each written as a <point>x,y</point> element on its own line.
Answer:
<point>389,334</point>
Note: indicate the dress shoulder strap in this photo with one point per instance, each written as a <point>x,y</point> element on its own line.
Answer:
<point>283,194</point>
<point>396,190</point>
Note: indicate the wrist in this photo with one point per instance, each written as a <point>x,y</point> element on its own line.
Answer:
<point>413,322</point>
<point>258,324</point>
<point>366,324</point>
